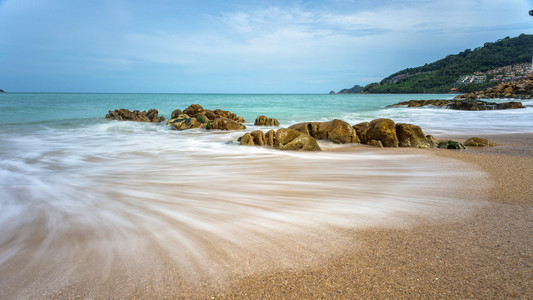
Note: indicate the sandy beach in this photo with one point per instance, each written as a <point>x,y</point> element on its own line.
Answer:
<point>482,248</point>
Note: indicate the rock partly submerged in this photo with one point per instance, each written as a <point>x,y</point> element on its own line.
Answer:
<point>264,121</point>
<point>460,104</point>
<point>195,116</point>
<point>137,116</point>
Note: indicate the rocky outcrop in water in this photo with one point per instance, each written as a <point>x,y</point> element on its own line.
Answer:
<point>336,131</point>
<point>224,124</point>
<point>264,121</point>
<point>138,116</point>
<point>195,110</point>
<point>282,139</point>
<point>460,104</point>
<point>520,89</point>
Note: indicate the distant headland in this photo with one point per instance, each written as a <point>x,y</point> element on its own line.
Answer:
<point>506,60</point>
<point>2,91</point>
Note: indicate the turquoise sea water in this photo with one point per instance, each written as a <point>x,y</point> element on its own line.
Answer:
<point>35,109</point>
<point>73,184</point>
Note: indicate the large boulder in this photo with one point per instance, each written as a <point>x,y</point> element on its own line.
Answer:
<point>478,142</point>
<point>290,139</point>
<point>410,135</point>
<point>341,132</point>
<point>194,110</point>
<point>224,124</point>
<point>383,130</point>
<point>138,116</point>
<point>264,121</point>
<point>254,138</point>
<point>336,131</point>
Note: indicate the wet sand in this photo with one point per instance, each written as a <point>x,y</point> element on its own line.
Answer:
<point>489,255</point>
<point>486,252</point>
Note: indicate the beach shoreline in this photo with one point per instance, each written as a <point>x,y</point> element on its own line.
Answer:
<point>484,252</point>
<point>488,255</point>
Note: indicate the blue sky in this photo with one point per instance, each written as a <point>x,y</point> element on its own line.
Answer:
<point>237,46</point>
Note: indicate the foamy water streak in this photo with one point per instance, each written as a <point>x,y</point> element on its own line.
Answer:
<point>76,201</point>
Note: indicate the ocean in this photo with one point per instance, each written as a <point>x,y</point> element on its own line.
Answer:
<point>78,191</point>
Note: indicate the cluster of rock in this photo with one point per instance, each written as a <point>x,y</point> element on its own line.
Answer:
<point>300,136</point>
<point>264,121</point>
<point>195,116</point>
<point>379,133</point>
<point>386,133</point>
<point>520,89</point>
<point>460,104</point>
<point>336,131</point>
<point>138,116</point>
<point>282,139</point>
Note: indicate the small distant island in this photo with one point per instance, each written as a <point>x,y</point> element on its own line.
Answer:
<point>356,89</point>
<point>506,60</point>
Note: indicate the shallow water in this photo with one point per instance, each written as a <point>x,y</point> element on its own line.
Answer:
<point>79,193</point>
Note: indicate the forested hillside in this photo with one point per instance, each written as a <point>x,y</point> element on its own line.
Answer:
<point>441,76</point>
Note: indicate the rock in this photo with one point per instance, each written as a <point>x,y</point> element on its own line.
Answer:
<point>138,116</point>
<point>184,123</point>
<point>383,130</point>
<point>290,139</point>
<point>270,137</point>
<point>317,130</point>
<point>360,130</point>
<point>332,93</point>
<point>194,110</point>
<point>336,131</point>
<point>247,140</point>
<point>410,135</point>
<point>283,139</point>
<point>509,105</point>
<point>218,113</point>
<point>264,121</point>
<point>176,113</point>
<point>258,137</point>
<point>224,124</point>
<point>522,89</point>
<point>461,103</point>
<point>210,114</point>
<point>451,145</point>
<point>478,142</point>
<point>341,132</point>
<point>375,143</point>
<point>202,118</point>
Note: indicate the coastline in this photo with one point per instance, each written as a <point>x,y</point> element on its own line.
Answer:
<point>482,253</point>
<point>487,255</point>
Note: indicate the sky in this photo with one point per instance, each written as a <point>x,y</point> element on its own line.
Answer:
<point>232,46</point>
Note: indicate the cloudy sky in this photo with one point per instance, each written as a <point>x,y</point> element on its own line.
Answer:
<point>237,46</point>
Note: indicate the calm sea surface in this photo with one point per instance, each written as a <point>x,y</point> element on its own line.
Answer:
<point>73,184</point>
